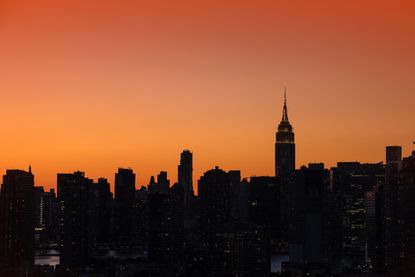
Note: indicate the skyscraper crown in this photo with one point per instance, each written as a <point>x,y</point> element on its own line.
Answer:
<point>285,112</point>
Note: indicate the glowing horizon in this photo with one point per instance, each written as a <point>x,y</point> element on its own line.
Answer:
<point>97,85</point>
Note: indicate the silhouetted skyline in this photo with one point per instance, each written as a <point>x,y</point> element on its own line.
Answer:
<point>351,218</point>
<point>101,85</point>
<point>207,138</point>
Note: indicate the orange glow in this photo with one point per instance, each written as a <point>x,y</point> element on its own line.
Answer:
<point>94,85</point>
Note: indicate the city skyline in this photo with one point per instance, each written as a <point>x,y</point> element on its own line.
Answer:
<point>195,178</point>
<point>207,138</point>
<point>96,86</point>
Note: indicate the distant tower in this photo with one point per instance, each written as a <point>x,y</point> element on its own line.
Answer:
<point>17,226</point>
<point>124,201</point>
<point>185,176</point>
<point>284,146</point>
<point>393,154</point>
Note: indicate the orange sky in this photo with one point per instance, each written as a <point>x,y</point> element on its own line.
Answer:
<point>94,85</point>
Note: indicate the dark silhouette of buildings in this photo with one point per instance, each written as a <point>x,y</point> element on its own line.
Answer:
<point>355,187</point>
<point>105,208</point>
<point>406,215</point>
<point>309,222</point>
<point>77,196</point>
<point>17,223</point>
<point>393,154</point>
<point>284,145</point>
<point>185,178</point>
<point>233,223</point>
<point>124,201</point>
<point>140,223</point>
<point>264,204</point>
<point>391,238</point>
<point>285,170</point>
<point>166,226</point>
<point>354,219</point>
<point>214,189</point>
<point>251,250</point>
<point>46,211</point>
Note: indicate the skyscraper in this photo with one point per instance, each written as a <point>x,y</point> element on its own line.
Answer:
<point>77,219</point>
<point>355,187</point>
<point>185,176</point>
<point>393,154</point>
<point>17,226</point>
<point>124,200</point>
<point>215,201</point>
<point>406,218</point>
<point>393,165</point>
<point>104,210</point>
<point>284,146</point>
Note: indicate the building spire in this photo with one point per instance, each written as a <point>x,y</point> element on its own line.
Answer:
<point>285,112</point>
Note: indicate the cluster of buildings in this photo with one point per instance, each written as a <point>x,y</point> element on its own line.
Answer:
<point>352,219</point>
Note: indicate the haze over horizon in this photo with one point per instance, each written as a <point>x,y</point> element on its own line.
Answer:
<point>97,85</point>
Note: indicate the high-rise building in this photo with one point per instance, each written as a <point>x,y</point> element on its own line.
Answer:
<point>355,187</point>
<point>140,220</point>
<point>285,168</point>
<point>185,177</point>
<point>393,154</point>
<point>406,218</point>
<point>46,211</point>
<point>49,211</point>
<point>309,223</point>
<point>17,226</point>
<point>104,210</point>
<point>285,145</point>
<point>163,182</point>
<point>215,201</point>
<point>77,196</point>
<point>393,165</point>
<point>165,224</point>
<point>39,226</point>
<point>124,201</point>
<point>308,194</point>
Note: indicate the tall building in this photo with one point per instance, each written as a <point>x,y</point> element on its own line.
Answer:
<point>104,210</point>
<point>163,182</point>
<point>215,201</point>
<point>185,177</point>
<point>124,201</point>
<point>49,210</point>
<point>39,226</point>
<point>393,154</point>
<point>139,224</point>
<point>393,165</point>
<point>284,146</point>
<point>308,220</point>
<point>355,187</point>
<point>165,224</point>
<point>17,226</point>
<point>285,168</point>
<point>77,196</point>
<point>46,210</point>
<point>406,218</point>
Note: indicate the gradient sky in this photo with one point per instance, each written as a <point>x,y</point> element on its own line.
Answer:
<point>95,85</point>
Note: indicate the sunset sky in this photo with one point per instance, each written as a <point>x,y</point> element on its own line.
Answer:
<point>97,85</point>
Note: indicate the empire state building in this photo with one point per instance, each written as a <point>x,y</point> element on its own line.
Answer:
<point>284,145</point>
